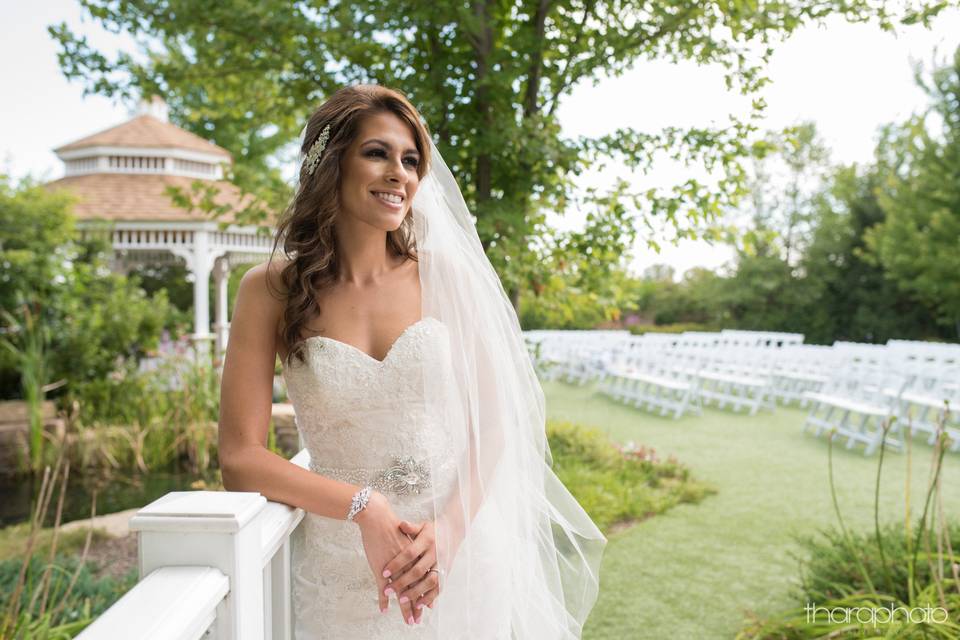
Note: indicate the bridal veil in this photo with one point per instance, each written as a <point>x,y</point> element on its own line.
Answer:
<point>521,556</point>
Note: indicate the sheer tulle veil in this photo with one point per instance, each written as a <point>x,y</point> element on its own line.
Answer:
<point>521,556</point>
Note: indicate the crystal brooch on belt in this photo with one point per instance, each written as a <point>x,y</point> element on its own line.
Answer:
<point>406,476</point>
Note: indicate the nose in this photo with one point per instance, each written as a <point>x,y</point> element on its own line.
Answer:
<point>396,172</point>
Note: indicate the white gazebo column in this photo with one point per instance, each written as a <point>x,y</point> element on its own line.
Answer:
<point>200,265</point>
<point>221,327</point>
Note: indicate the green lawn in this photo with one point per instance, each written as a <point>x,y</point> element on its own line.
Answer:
<point>694,571</point>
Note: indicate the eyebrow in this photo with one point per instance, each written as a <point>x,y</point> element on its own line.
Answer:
<point>388,146</point>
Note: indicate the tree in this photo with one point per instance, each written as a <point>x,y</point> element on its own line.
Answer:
<point>579,278</point>
<point>918,243</point>
<point>787,171</point>
<point>762,294</point>
<point>88,315</point>
<point>851,297</point>
<point>487,76</point>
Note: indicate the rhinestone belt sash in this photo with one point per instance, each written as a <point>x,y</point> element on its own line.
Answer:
<point>405,476</point>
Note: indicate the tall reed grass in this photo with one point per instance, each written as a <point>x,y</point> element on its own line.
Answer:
<point>901,580</point>
<point>42,604</point>
<point>165,418</point>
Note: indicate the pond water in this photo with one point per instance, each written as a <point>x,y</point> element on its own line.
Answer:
<point>117,492</point>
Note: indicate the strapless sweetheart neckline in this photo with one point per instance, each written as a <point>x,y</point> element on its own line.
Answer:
<point>390,350</point>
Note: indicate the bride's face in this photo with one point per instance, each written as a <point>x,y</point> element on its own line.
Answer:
<point>382,158</point>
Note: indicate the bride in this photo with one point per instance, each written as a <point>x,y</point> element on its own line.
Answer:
<point>430,482</point>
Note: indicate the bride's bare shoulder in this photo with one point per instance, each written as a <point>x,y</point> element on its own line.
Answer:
<point>266,277</point>
<point>262,294</point>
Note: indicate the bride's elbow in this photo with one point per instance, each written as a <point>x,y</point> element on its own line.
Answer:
<point>235,468</point>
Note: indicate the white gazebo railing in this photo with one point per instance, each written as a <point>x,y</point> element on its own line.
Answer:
<point>213,564</point>
<point>205,250</point>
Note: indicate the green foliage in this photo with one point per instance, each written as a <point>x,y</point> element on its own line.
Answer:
<point>27,346</point>
<point>764,295</point>
<point>617,484</point>
<point>92,316</point>
<point>696,300</point>
<point>855,298</point>
<point>171,423</point>
<point>579,278</point>
<point>48,595</point>
<point>640,329</point>
<point>90,596</point>
<point>900,567</point>
<point>13,541</point>
<point>487,81</point>
<point>787,167</point>
<point>920,194</point>
<point>829,568</point>
<point>35,232</point>
<point>814,259</point>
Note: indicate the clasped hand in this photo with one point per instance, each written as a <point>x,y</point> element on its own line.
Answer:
<point>400,554</point>
<point>409,573</point>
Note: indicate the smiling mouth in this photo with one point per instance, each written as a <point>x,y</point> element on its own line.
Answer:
<point>393,201</point>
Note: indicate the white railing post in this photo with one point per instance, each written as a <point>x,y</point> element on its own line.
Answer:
<point>210,528</point>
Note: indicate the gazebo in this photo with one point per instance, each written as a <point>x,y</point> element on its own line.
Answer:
<point>120,175</point>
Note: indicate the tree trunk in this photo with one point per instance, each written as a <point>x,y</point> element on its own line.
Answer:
<point>514,294</point>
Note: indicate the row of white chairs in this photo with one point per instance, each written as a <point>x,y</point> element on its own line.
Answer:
<point>877,394</point>
<point>851,389</point>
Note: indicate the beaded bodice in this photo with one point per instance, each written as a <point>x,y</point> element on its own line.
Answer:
<point>364,421</point>
<point>357,414</point>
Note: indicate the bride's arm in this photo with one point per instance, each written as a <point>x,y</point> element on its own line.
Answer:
<point>245,406</point>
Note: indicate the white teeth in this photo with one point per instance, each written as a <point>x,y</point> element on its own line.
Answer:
<point>389,197</point>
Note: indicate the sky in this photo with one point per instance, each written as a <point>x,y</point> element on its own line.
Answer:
<point>849,79</point>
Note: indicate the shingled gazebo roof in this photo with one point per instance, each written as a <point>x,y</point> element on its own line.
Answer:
<point>146,131</point>
<point>108,196</point>
<point>121,173</point>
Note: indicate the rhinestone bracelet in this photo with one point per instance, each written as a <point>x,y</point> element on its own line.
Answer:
<point>359,502</point>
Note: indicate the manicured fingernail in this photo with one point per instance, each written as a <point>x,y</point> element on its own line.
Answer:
<point>383,610</point>
<point>386,573</point>
<point>419,605</point>
<point>410,619</point>
<point>388,591</point>
<point>404,599</point>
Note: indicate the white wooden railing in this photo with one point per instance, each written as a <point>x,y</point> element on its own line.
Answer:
<point>213,564</point>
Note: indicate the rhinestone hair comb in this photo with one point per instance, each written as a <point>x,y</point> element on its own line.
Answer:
<point>313,156</point>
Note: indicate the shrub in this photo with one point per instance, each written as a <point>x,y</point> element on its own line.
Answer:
<point>898,581</point>
<point>614,484</point>
<point>640,329</point>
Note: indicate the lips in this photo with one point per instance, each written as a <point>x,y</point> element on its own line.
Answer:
<point>398,194</point>
<point>395,205</point>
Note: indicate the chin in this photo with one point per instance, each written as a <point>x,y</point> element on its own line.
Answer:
<point>397,222</point>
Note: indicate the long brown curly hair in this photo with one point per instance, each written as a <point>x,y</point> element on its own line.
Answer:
<point>306,227</point>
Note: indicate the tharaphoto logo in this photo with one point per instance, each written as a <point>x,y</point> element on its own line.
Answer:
<point>876,615</point>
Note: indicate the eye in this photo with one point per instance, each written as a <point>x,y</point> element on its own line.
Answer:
<point>380,153</point>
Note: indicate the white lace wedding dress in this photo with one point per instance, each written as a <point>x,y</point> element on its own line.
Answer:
<point>364,421</point>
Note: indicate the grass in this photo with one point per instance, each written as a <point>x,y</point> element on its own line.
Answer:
<point>13,540</point>
<point>697,570</point>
